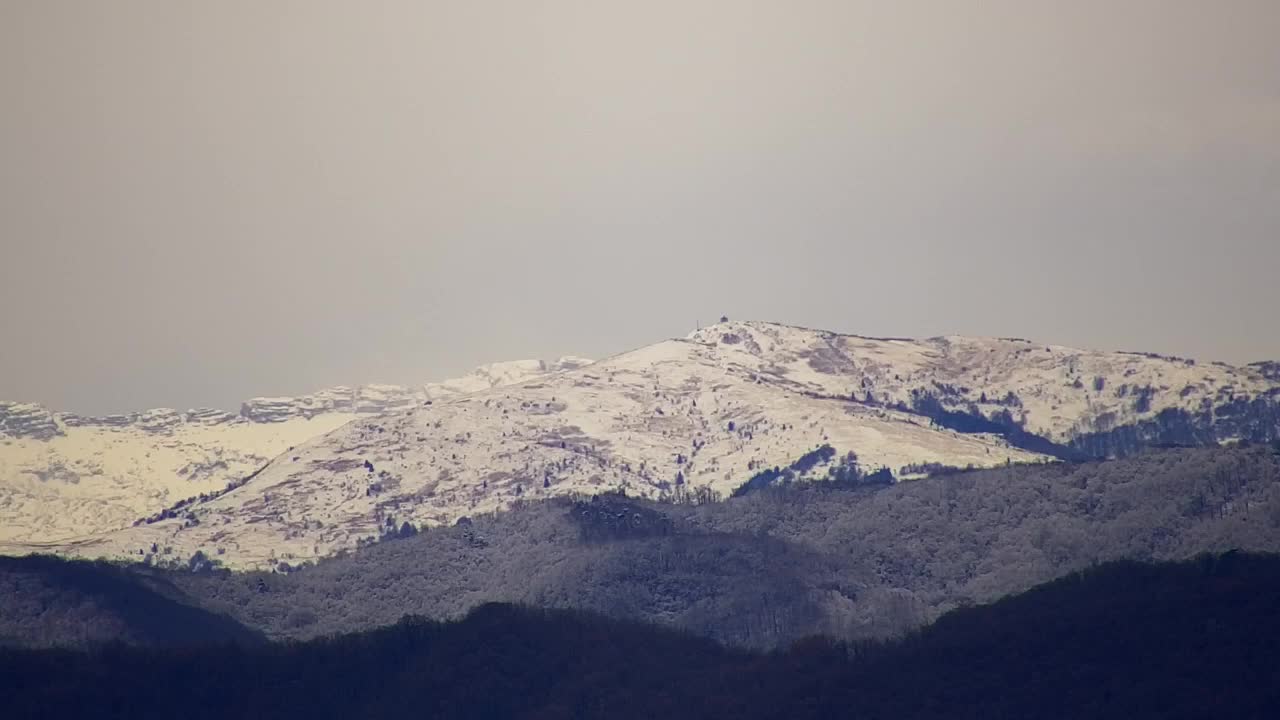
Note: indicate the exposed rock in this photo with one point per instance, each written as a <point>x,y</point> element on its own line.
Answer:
<point>341,398</point>
<point>73,420</point>
<point>270,409</point>
<point>210,416</point>
<point>367,399</point>
<point>1270,369</point>
<point>487,377</point>
<point>28,420</point>
<point>158,420</point>
<point>383,398</point>
<point>570,362</point>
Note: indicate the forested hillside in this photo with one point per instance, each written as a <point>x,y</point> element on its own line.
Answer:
<point>773,566</point>
<point>1124,640</point>
<point>48,601</point>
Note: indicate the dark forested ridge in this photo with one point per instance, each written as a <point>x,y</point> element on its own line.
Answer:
<point>49,601</point>
<point>1123,640</point>
<point>778,564</point>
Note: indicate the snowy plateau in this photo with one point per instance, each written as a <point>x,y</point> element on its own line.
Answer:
<point>311,477</point>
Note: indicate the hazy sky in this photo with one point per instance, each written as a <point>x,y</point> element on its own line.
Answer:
<point>204,201</point>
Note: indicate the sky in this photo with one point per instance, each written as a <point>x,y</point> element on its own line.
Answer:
<point>202,202</point>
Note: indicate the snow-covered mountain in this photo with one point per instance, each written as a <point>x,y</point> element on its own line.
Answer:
<point>64,476</point>
<point>1068,396</point>
<point>707,411</point>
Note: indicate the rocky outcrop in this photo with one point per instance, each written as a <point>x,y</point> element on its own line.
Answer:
<point>158,420</point>
<point>569,362</point>
<point>487,377</point>
<point>1269,369</point>
<point>73,420</point>
<point>34,421</point>
<point>211,416</point>
<point>28,420</point>
<point>338,399</point>
<point>270,409</point>
<point>384,398</point>
<point>366,400</point>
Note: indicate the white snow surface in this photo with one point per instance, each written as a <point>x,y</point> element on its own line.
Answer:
<point>64,477</point>
<point>91,479</point>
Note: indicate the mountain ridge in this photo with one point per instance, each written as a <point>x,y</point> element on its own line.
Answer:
<point>64,475</point>
<point>35,420</point>
<point>700,414</point>
<point>704,414</point>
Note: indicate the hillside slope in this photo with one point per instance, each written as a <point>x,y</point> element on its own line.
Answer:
<point>1131,641</point>
<point>1069,396</point>
<point>766,569</point>
<point>49,602</point>
<point>65,476</point>
<point>774,566</point>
